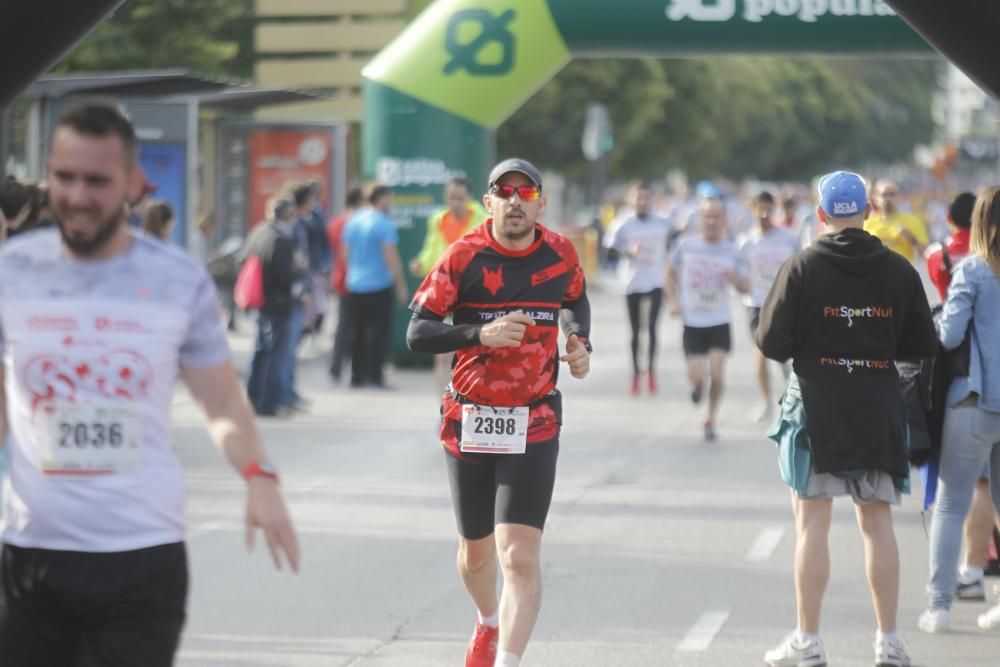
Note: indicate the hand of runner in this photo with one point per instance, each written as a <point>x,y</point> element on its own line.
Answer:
<point>266,511</point>
<point>577,357</point>
<point>506,331</point>
<point>402,294</point>
<point>674,308</point>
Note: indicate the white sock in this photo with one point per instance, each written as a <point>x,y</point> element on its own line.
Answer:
<point>891,637</point>
<point>805,637</point>
<point>492,621</point>
<point>969,574</point>
<point>507,660</point>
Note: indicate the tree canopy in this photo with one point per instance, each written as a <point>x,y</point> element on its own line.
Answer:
<point>771,118</point>
<point>208,36</point>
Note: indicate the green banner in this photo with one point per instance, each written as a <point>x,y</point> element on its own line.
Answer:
<point>481,59</point>
<point>416,149</point>
<point>678,28</point>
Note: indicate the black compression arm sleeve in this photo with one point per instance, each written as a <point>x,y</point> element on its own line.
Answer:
<point>428,333</point>
<point>575,318</point>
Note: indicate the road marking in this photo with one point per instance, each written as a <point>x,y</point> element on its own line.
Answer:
<point>765,544</point>
<point>701,634</point>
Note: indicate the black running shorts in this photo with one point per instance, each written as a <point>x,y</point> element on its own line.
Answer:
<point>699,340</point>
<point>489,489</point>
<point>75,609</point>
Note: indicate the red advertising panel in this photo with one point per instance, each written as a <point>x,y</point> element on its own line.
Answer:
<point>279,158</point>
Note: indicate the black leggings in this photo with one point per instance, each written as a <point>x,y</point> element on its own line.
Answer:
<point>371,321</point>
<point>634,302</point>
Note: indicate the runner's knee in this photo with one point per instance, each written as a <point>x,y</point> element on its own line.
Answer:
<point>474,555</point>
<point>520,560</point>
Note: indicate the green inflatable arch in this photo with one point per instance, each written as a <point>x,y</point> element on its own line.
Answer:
<point>435,95</point>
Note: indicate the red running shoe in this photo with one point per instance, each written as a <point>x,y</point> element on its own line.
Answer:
<point>653,387</point>
<point>634,389</point>
<point>482,651</point>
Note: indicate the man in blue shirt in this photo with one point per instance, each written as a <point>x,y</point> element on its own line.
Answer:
<point>373,271</point>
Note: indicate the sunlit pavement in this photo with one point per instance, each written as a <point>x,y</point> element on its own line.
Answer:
<point>660,550</point>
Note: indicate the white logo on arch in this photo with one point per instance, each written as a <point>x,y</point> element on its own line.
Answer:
<point>702,10</point>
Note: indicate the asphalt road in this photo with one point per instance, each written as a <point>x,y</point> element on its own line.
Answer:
<point>660,550</point>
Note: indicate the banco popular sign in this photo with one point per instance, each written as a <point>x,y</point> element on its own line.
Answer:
<point>756,11</point>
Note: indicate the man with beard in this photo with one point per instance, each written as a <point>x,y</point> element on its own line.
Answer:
<point>96,322</point>
<point>506,285</point>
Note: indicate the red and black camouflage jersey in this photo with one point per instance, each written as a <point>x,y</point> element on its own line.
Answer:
<point>476,281</point>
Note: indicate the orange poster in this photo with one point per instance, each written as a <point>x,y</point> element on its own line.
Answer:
<point>282,158</point>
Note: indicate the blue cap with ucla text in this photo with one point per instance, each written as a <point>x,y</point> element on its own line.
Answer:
<point>842,194</point>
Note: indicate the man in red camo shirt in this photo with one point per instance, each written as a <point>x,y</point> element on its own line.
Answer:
<point>939,266</point>
<point>508,285</point>
<point>338,282</point>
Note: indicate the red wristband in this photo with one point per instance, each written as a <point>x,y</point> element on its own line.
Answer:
<point>260,469</point>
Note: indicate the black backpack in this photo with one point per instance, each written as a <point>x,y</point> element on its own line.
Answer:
<point>924,385</point>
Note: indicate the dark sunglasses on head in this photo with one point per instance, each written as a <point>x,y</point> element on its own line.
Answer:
<point>524,192</point>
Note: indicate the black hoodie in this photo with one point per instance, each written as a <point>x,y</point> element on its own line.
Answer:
<point>844,310</point>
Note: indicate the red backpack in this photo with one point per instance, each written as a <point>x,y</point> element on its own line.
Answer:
<point>248,293</point>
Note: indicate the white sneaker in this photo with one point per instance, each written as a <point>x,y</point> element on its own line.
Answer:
<point>792,653</point>
<point>990,620</point>
<point>935,620</point>
<point>891,653</point>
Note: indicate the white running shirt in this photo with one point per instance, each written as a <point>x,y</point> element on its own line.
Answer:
<point>704,289</point>
<point>91,353</point>
<point>642,243</point>
<point>764,255</point>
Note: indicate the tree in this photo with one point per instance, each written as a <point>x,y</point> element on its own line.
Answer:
<point>555,144</point>
<point>773,118</point>
<point>206,36</point>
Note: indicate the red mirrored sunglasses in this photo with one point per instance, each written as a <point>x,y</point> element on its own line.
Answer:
<point>524,192</point>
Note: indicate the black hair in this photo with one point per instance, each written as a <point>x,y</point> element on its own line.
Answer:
<point>101,120</point>
<point>763,197</point>
<point>302,193</point>
<point>13,197</point>
<point>377,193</point>
<point>354,198</point>
<point>960,210</point>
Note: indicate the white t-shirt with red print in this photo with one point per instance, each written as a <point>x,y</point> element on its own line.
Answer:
<point>91,353</point>
<point>704,288</point>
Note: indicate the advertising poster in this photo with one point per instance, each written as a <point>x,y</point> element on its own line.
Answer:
<point>166,166</point>
<point>282,157</point>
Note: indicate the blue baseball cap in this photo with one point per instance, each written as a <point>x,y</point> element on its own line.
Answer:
<point>843,194</point>
<point>707,190</point>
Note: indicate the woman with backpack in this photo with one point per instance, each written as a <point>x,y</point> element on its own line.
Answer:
<point>971,436</point>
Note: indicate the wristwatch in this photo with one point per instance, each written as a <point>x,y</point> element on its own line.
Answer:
<point>260,469</point>
<point>586,344</point>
